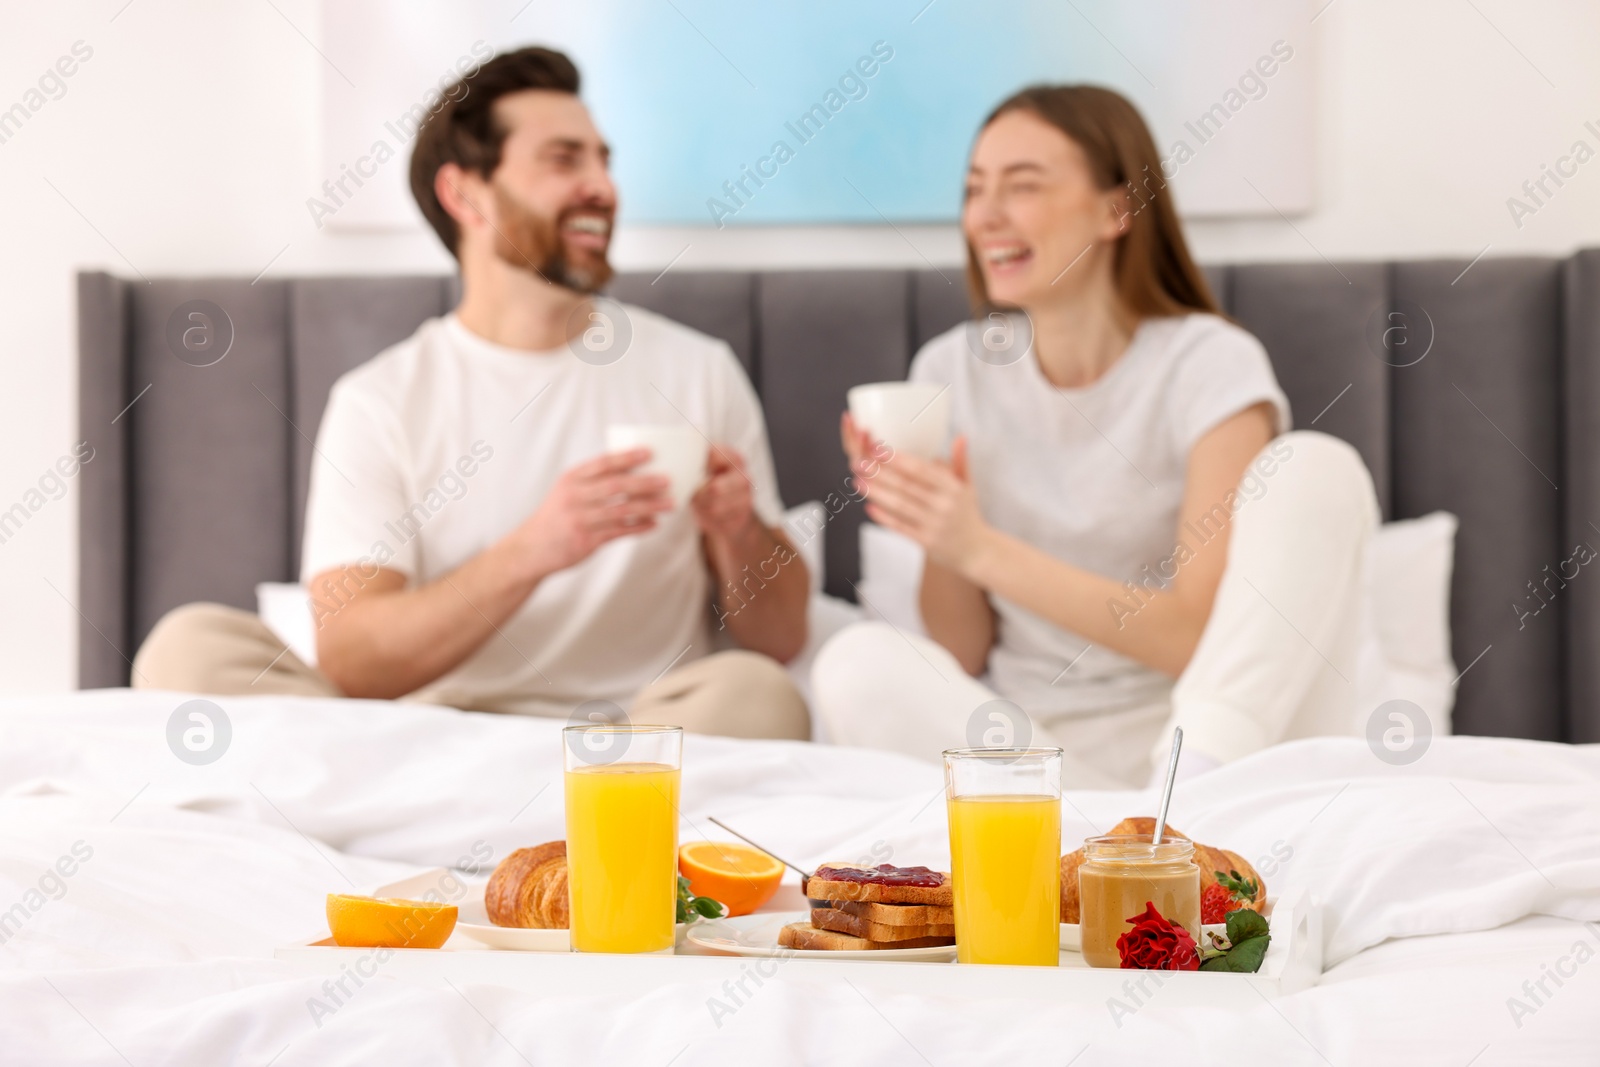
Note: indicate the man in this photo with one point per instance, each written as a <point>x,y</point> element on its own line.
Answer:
<point>469,540</point>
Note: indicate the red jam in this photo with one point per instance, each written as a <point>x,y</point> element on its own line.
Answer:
<point>884,874</point>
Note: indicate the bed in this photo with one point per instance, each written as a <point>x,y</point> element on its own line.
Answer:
<point>1460,892</point>
<point>1491,414</point>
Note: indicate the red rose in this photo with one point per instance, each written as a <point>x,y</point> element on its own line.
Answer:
<point>1154,944</point>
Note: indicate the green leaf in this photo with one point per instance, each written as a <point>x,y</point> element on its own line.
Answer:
<point>684,897</point>
<point>1249,934</point>
<point>1246,956</point>
<point>1252,953</point>
<point>1243,958</point>
<point>1245,924</point>
<point>1238,886</point>
<point>691,907</point>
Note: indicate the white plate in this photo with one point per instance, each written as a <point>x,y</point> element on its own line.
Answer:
<point>757,935</point>
<point>472,920</point>
<point>1071,937</point>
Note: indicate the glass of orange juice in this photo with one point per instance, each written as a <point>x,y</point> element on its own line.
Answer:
<point>1005,853</point>
<point>622,835</point>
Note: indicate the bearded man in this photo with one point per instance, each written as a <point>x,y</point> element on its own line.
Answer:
<point>470,539</point>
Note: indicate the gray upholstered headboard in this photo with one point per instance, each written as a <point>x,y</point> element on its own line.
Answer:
<point>197,489</point>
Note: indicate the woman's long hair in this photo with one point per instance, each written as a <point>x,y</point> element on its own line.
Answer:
<point>1153,271</point>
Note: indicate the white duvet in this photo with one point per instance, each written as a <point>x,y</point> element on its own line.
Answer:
<point>141,897</point>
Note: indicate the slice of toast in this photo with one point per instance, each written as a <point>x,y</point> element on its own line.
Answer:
<point>807,937</point>
<point>894,914</point>
<point>820,887</point>
<point>842,922</point>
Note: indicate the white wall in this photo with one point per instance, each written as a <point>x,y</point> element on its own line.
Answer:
<point>187,144</point>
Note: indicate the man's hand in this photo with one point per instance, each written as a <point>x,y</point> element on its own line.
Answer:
<point>591,504</point>
<point>387,640</point>
<point>724,507</point>
<point>760,580</point>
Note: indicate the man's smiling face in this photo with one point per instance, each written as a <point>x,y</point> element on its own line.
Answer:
<point>554,202</point>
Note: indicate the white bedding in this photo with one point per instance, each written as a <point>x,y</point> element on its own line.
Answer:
<point>1447,886</point>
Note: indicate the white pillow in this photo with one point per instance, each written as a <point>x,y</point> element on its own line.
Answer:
<point>805,523</point>
<point>891,575</point>
<point>1409,564</point>
<point>285,607</point>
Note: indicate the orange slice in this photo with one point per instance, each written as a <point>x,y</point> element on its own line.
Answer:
<point>371,922</point>
<point>740,877</point>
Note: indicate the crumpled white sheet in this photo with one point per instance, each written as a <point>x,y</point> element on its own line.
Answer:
<point>156,948</point>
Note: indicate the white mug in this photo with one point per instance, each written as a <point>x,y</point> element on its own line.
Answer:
<point>910,417</point>
<point>678,452</point>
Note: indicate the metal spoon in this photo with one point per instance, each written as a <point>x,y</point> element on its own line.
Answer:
<point>1166,790</point>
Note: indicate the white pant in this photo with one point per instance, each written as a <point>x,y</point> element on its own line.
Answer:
<point>1278,659</point>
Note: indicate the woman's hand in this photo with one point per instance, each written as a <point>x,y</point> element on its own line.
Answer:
<point>931,502</point>
<point>866,455</point>
<point>859,447</point>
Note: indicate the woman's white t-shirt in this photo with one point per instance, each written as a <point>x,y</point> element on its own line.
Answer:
<point>1095,477</point>
<point>441,445</point>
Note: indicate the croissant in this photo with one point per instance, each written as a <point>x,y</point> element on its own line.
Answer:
<point>1209,860</point>
<point>529,888</point>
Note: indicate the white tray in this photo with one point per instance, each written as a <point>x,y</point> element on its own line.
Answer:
<point>1293,963</point>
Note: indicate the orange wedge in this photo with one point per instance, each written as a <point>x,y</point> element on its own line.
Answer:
<point>371,922</point>
<point>740,877</point>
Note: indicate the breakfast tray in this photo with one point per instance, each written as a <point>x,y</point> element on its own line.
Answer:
<point>1293,962</point>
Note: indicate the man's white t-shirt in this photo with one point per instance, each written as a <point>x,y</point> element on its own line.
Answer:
<point>1094,477</point>
<point>444,443</point>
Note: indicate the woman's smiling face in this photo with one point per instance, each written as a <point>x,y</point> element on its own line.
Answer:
<point>1033,208</point>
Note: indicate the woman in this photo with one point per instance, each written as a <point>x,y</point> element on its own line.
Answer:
<point>1122,505</point>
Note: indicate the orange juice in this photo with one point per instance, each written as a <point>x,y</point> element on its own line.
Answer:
<point>622,856</point>
<point>1005,853</point>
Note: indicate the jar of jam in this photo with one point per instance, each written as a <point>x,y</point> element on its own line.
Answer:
<point>1119,876</point>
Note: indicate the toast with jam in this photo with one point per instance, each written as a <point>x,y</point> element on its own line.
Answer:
<point>882,884</point>
<point>858,909</point>
<point>806,937</point>
<point>895,914</point>
<point>844,922</point>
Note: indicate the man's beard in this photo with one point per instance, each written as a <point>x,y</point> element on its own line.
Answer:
<point>530,241</point>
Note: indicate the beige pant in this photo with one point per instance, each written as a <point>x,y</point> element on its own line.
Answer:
<point>222,651</point>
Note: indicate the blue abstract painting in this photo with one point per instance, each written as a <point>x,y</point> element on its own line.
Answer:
<point>726,113</point>
<point>737,112</point>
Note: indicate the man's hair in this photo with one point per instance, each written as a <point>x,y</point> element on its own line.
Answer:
<point>464,130</point>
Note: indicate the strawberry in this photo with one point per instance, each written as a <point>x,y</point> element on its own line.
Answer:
<point>1215,903</point>
<point>1228,893</point>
